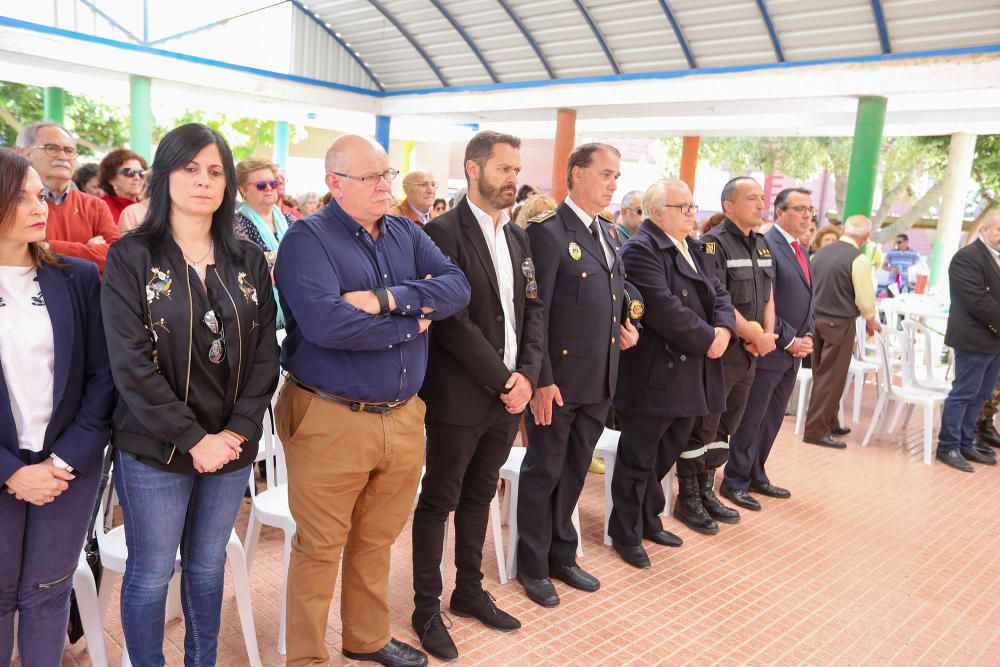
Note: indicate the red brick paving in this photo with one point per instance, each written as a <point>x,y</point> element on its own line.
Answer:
<point>876,559</point>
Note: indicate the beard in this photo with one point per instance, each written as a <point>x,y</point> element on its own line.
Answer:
<point>498,197</point>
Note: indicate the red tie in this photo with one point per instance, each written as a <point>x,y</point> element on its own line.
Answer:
<point>802,262</point>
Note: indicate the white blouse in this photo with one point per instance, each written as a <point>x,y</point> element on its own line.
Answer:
<point>27,354</point>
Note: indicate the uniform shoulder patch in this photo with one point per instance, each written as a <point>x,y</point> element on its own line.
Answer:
<point>710,247</point>
<point>607,216</point>
<point>543,216</point>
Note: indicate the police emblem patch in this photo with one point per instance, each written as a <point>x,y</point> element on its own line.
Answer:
<point>635,309</point>
<point>710,248</point>
<point>574,251</point>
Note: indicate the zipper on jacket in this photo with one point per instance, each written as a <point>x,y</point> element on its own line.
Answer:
<point>50,584</point>
<point>187,382</point>
<point>239,332</point>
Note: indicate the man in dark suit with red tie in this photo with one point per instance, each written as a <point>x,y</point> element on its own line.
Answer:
<point>482,369</point>
<point>772,386</point>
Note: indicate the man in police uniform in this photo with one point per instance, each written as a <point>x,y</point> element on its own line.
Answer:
<point>744,264</point>
<point>675,372</point>
<point>580,282</point>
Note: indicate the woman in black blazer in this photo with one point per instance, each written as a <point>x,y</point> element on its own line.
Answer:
<point>56,397</point>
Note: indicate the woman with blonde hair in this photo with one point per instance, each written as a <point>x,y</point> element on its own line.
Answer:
<point>532,206</point>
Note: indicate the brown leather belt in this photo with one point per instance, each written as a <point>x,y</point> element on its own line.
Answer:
<point>356,406</point>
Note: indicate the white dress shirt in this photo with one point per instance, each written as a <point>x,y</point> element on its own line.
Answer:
<point>27,352</point>
<point>609,254</point>
<point>682,246</point>
<point>496,243</point>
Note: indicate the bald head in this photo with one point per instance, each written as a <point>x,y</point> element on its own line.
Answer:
<point>989,232</point>
<point>858,227</point>
<point>349,159</point>
<point>420,189</point>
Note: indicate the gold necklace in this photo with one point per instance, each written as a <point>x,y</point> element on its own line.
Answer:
<point>195,265</point>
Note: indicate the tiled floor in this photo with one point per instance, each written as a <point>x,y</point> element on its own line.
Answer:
<point>876,559</point>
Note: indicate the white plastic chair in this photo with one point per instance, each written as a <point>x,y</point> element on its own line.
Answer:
<point>510,472</point>
<point>114,554</point>
<point>917,332</point>
<point>91,617</point>
<point>862,365</point>
<point>804,378</point>
<point>607,451</point>
<point>495,525</point>
<point>907,394</point>
<point>270,507</point>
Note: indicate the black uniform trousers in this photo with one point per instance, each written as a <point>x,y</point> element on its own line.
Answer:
<point>648,448</point>
<point>552,476</point>
<point>750,446</point>
<point>708,448</point>
<point>463,466</point>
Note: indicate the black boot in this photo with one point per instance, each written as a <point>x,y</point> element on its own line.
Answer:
<point>689,510</point>
<point>711,503</point>
<point>987,432</point>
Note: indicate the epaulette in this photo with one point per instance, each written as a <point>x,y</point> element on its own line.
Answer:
<point>543,216</point>
<point>608,217</point>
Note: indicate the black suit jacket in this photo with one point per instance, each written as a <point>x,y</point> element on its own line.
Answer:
<point>465,369</point>
<point>667,373</point>
<point>974,319</point>
<point>793,302</point>
<point>583,301</point>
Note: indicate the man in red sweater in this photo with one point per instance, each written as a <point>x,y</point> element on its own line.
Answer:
<point>79,225</point>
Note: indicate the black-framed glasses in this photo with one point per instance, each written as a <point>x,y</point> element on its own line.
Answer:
<point>264,185</point>
<point>799,210</point>
<point>55,150</point>
<point>217,351</point>
<point>371,179</point>
<point>128,172</point>
<point>531,285</point>
<point>686,209</point>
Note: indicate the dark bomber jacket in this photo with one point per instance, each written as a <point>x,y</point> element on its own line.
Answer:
<point>149,319</point>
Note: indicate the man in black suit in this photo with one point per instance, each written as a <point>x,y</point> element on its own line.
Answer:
<point>776,372</point>
<point>581,284</point>
<point>481,371</point>
<point>675,373</point>
<point>974,333</point>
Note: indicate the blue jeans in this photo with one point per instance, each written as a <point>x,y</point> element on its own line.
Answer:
<point>164,511</point>
<point>40,548</point>
<point>975,377</point>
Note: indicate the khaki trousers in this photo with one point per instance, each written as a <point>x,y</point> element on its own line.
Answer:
<point>352,479</point>
<point>833,347</point>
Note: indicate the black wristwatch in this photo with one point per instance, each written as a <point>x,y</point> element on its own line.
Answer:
<point>382,294</point>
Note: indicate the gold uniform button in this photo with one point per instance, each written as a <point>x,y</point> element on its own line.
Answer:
<point>614,318</point>
<point>612,276</point>
<point>583,275</point>
<point>614,297</point>
<point>612,340</point>
<point>565,352</point>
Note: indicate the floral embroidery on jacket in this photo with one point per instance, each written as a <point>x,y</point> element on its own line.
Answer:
<point>249,291</point>
<point>158,285</point>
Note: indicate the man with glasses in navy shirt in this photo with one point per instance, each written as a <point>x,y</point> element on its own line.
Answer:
<point>359,288</point>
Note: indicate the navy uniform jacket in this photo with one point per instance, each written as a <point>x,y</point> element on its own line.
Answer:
<point>793,303</point>
<point>667,373</point>
<point>974,319</point>
<point>746,270</point>
<point>83,391</point>
<point>582,297</point>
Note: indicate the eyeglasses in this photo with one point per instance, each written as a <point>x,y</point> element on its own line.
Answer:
<point>371,179</point>
<point>217,352</point>
<point>686,209</point>
<point>426,184</point>
<point>128,172</point>
<point>55,150</point>
<point>531,287</point>
<point>263,185</point>
<point>799,210</point>
<point>637,211</point>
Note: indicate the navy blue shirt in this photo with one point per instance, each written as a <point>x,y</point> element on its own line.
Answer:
<point>338,348</point>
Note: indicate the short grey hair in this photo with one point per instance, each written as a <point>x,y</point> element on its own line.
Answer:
<point>857,225</point>
<point>631,196</point>
<point>26,137</point>
<point>657,193</point>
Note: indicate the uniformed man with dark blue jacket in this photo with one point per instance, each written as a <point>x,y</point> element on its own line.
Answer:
<point>581,283</point>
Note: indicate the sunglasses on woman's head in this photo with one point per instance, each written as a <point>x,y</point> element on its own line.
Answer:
<point>263,185</point>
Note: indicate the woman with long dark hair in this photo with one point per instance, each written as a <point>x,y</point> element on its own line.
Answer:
<point>54,379</point>
<point>190,323</point>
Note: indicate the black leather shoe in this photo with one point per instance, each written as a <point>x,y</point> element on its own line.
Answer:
<point>539,591</point>
<point>828,441</point>
<point>574,576</point>
<point>987,432</point>
<point>689,510</point>
<point>981,447</point>
<point>841,430</point>
<point>483,608</point>
<point>633,555</point>
<point>665,538</point>
<point>711,503</point>
<point>393,654</point>
<point>432,631</point>
<point>740,497</point>
<point>769,489</point>
<point>954,459</point>
<point>977,456</point>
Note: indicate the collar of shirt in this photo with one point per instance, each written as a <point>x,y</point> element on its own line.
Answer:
<point>681,244</point>
<point>848,240</point>
<point>424,217</point>
<point>485,221</point>
<point>580,213</point>
<point>53,197</point>
<point>994,253</point>
<point>788,237</point>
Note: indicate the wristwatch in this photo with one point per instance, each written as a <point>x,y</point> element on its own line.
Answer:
<point>59,464</point>
<point>382,294</point>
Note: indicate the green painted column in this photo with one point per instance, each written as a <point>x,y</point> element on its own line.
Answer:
<point>281,143</point>
<point>55,105</point>
<point>141,119</point>
<point>865,153</point>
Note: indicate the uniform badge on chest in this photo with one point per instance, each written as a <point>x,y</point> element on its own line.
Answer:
<point>574,251</point>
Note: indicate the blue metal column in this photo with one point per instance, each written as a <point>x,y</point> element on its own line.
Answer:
<point>281,142</point>
<point>382,131</point>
